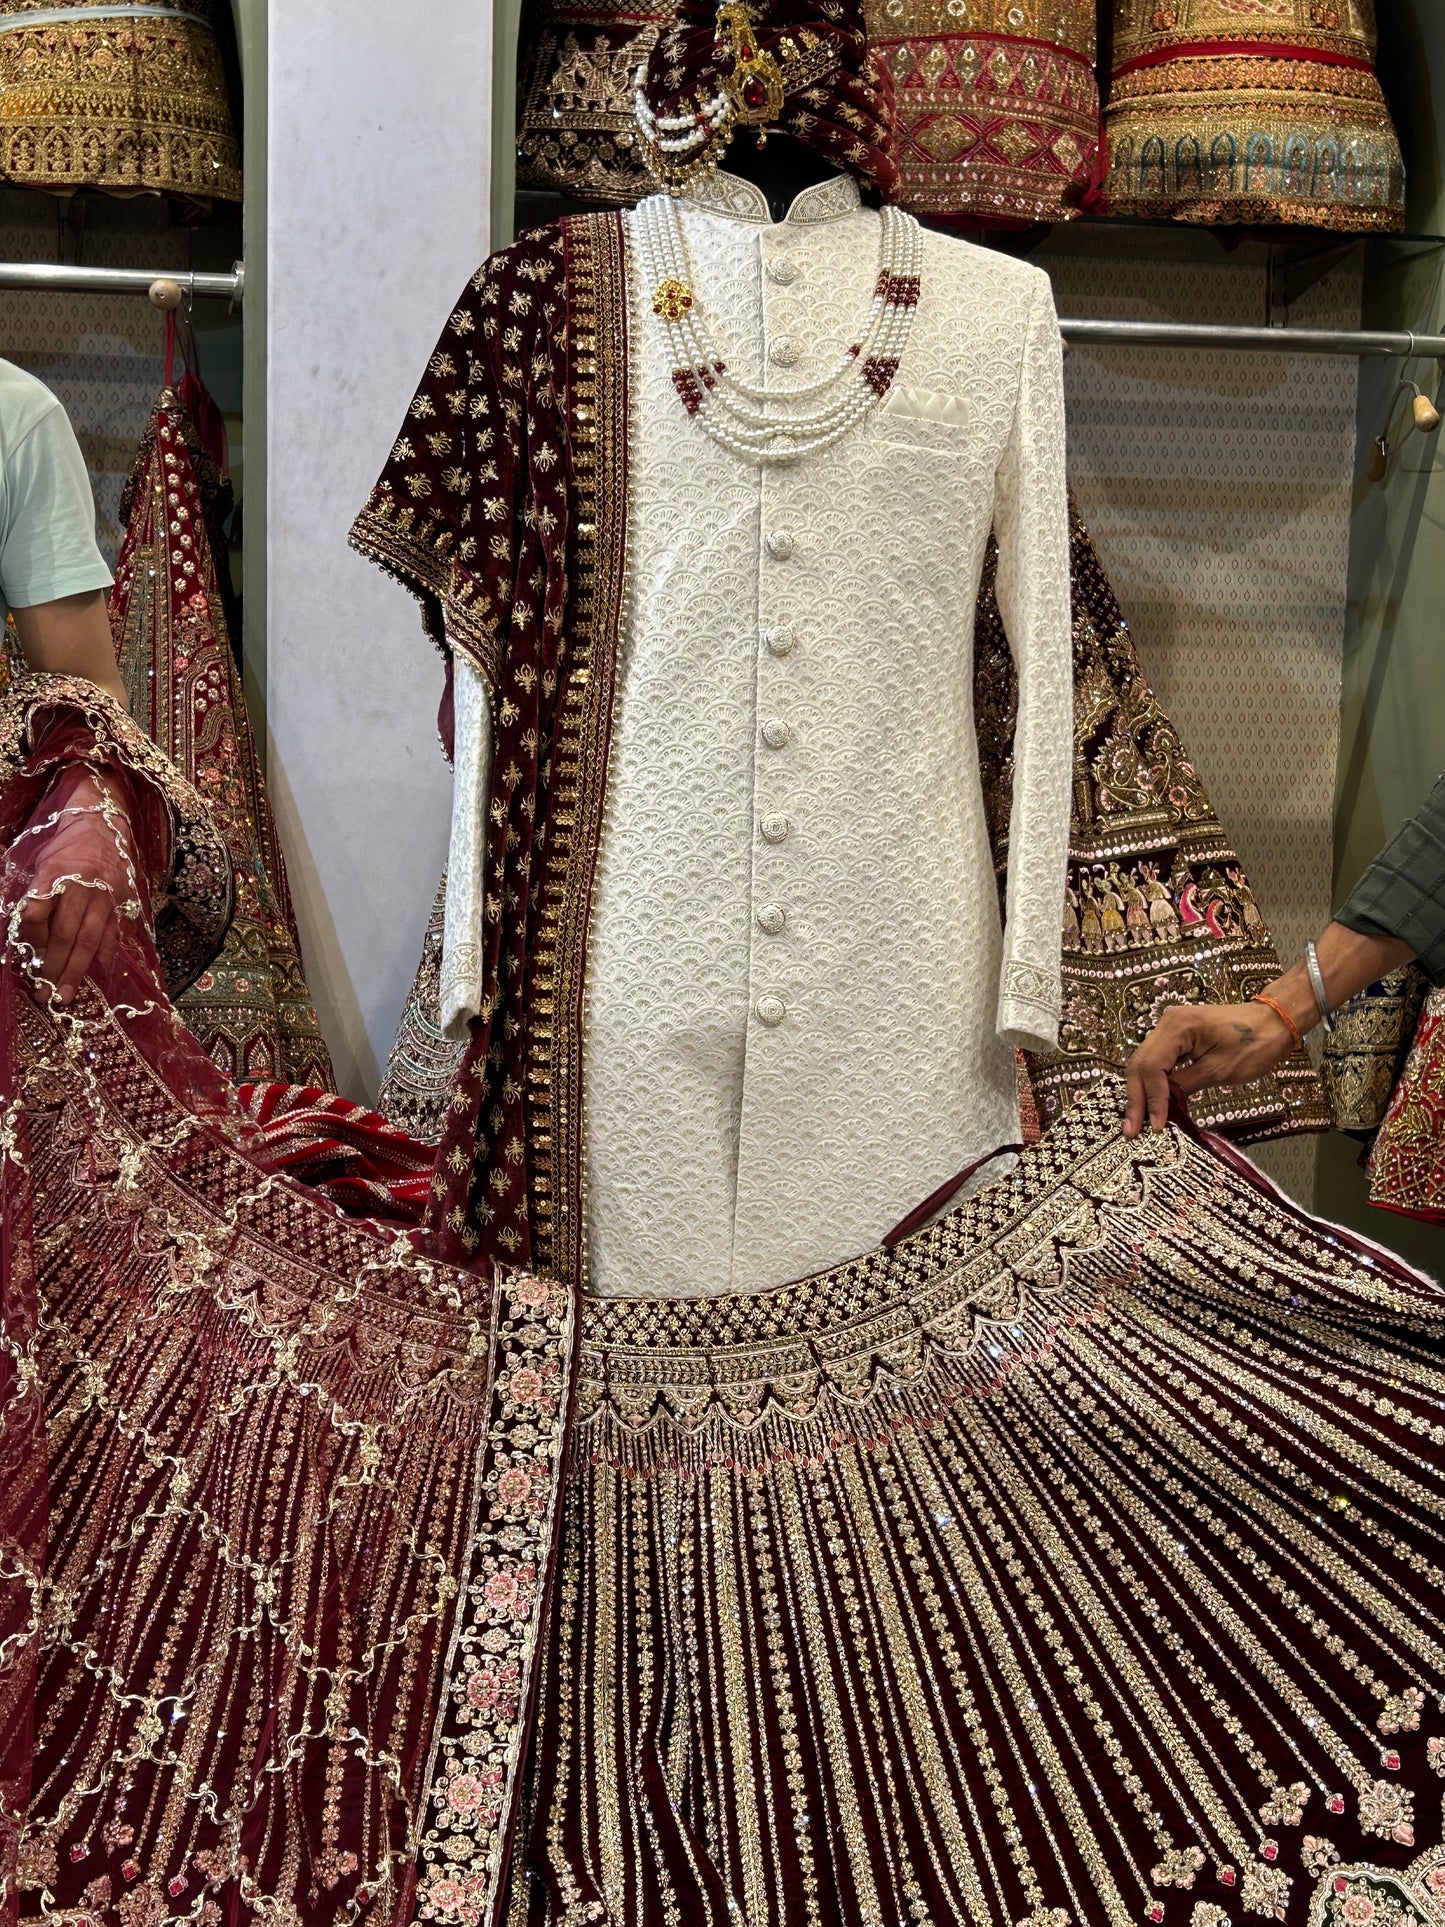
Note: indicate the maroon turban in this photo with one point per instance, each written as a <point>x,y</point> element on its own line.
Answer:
<point>840,101</point>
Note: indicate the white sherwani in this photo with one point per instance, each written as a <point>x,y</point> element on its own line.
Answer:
<point>802,1007</point>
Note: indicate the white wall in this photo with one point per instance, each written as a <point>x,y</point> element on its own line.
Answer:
<point>379,173</point>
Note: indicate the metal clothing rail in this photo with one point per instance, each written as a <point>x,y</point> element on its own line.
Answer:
<point>165,288</point>
<point>1359,342</point>
<point>1362,343</point>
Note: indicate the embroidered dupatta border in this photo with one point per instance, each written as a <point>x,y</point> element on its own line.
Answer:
<point>596,403</point>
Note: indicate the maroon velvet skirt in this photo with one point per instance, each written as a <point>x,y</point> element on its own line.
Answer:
<point>1077,1561</point>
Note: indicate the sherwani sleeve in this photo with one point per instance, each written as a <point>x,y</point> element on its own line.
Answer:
<point>1031,522</point>
<point>462,987</point>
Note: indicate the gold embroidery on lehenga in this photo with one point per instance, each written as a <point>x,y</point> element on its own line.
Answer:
<point>1036,1524</point>
<point>133,97</point>
<point>353,1489</point>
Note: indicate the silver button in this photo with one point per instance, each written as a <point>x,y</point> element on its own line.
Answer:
<point>780,544</point>
<point>774,829</point>
<point>780,640</point>
<point>772,1011</point>
<point>775,733</point>
<point>771,920</point>
<point>784,351</point>
<point>783,271</point>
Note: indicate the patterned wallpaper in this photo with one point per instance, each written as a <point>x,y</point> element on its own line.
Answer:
<point>1218,485</point>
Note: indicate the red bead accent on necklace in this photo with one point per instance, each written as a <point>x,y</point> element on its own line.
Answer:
<point>879,373</point>
<point>686,384</point>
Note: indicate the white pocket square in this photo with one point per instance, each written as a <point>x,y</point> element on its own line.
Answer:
<point>927,404</point>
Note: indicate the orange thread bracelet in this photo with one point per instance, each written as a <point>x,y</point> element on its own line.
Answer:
<point>1280,1012</point>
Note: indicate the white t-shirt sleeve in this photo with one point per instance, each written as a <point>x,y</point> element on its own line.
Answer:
<point>47,531</point>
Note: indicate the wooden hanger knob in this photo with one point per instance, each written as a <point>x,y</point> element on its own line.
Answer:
<point>165,294</point>
<point>1427,415</point>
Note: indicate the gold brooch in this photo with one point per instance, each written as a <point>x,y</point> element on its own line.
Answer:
<point>672,300</point>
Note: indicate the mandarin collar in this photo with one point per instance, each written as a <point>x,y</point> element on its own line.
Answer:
<point>723,193</point>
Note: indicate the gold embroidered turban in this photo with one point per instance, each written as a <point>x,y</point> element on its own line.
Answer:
<point>1259,111</point>
<point>130,98</point>
<point>996,107</point>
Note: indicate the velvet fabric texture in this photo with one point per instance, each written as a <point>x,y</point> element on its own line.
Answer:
<point>276,1488</point>
<point>250,1007</point>
<point>1075,1561</point>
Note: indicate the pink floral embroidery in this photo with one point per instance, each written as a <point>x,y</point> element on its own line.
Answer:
<point>501,1592</point>
<point>464,1793</point>
<point>526,1386</point>
<point>514,1486</point>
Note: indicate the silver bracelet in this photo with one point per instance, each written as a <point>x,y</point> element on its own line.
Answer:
<point>1317,985</point>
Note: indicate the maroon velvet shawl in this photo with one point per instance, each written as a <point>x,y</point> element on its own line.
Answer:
<point>503,508</point>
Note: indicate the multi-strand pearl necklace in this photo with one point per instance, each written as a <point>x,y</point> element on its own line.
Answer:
<point>778,424</point>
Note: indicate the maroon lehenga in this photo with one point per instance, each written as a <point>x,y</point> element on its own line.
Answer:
<point>277,1491</point>
<point>1077,1559</point>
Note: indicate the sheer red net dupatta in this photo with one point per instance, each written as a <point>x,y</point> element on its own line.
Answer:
<point>277,1490</point>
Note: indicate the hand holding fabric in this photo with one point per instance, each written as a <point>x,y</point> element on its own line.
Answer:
<point>1197,1046</point>
<point>83,883</point>
<point>1231,1043</point>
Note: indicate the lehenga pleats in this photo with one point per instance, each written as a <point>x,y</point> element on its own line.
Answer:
<point>1079,1562</point>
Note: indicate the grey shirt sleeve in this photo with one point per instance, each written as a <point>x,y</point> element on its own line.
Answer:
<point>1402,894</point>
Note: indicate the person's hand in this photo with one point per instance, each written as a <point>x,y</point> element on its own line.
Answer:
<point>1200,1046</point>
<point>83,882</point>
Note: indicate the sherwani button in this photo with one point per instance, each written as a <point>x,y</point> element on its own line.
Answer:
<point>780,545</point>
<point>772,1011</point>
<point>784,351</point>
<point>775,733</point>
<point>775,828</point>
<point>771,920</point>
<point>783,271</point>
<point>780,640</point>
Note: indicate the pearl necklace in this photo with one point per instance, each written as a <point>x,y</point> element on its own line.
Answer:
<point>767,425</point>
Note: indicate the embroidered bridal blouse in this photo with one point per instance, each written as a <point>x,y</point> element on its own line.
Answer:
<point>802,1008</point>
